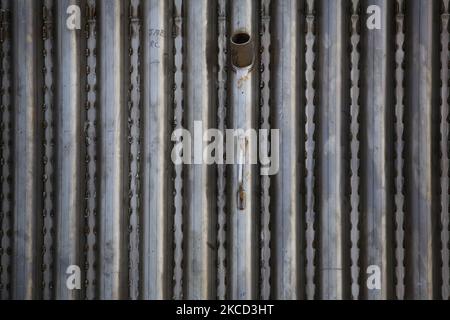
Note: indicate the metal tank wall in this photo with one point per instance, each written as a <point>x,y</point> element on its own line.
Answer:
<point>87,118</point>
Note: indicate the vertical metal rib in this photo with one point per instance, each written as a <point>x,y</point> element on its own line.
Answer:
<point>265,125</point>
<point>49,152</point>
<point>355,145</point>
<point>333,152</point>
<point>70,151</point>
<point>200,197</point>
<point>310,147</point>
<point>243,179</point>
<point>399,151</point>
<point>221,169</point>
<point>113,201</point>
<point>288,193</point>
<point>422,76</point>
<point>157,207</point>
<point>6,151</point>
<point>135,156</point>
<point>444,141</point>
<point>27,155</point>
<point>90,136</point>
<point>178,181</point>
<point>377,198</point>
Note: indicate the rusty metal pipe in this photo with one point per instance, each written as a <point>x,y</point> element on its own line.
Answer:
<point>242,49</point>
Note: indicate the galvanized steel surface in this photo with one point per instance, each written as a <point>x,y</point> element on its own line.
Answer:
<point>87,176</point>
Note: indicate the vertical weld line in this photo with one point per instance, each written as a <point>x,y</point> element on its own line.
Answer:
<point>221,169</point>
<point>310,149</point>
<point>3,220</point>
<point>399,151</point>
<point>178,121</point>
<point>355,160</point>
<point>90,135</point>
<point>265,180</point>
<point>134,141</point>
<point>444,135</point>
<point>5,151</point>
<point>48,146</point>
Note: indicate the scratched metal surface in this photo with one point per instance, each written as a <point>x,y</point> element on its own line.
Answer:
<point>86,176</point>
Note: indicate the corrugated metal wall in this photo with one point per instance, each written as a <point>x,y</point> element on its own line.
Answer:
<point>85,141</point>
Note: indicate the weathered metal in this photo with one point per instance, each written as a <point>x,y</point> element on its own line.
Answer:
<point>87,175</point>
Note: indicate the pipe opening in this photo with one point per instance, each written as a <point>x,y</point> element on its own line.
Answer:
<point>242,51</point>
<point>240,38</point>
